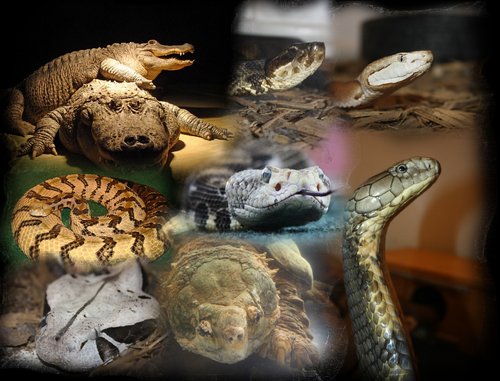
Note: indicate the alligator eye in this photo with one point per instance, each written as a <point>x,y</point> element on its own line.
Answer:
<point>401,168</point>
<point>266,175</point>
<point>152,42</point>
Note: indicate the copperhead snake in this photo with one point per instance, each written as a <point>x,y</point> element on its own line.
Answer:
<point>299,61</point>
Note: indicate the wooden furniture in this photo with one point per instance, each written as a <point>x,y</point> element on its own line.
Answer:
<point>457,291</point>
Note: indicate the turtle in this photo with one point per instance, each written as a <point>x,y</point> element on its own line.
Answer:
<point>226,300</point>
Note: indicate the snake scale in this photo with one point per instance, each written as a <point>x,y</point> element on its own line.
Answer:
<point>132,226</point>
<point>382,346</point>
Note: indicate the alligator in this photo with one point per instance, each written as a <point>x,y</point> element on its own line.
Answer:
<point>116,124</point>
<point>52,85</point>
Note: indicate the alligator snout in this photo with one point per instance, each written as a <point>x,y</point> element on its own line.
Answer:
<point>136,142</point>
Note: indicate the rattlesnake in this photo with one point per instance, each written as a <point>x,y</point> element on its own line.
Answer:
<point>137,223</point>
<point>131,228</point>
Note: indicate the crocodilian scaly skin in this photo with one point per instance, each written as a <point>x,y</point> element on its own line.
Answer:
<point>382,345</point>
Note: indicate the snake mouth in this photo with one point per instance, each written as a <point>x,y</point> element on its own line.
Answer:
<point>305,193</point>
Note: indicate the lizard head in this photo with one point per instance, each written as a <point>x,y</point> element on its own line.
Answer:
<point>157,57</point>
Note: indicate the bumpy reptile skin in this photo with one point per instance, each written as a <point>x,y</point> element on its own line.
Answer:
<point>383,349</point>
<point>52,85</point>
<point>131,228</point>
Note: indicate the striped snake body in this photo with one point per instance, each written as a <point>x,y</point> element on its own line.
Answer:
<point>131,228</point>
<point>383,349</point>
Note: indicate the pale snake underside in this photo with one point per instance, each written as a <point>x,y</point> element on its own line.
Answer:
<point>383,348</point>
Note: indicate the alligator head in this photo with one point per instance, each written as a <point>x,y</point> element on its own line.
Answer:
<point>156,57</point>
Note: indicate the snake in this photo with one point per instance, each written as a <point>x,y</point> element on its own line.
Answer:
<point>136,223</point>
<point>257,188</point>
<point>131,228</point>
<point>297,62</point>
<point>384,349</point>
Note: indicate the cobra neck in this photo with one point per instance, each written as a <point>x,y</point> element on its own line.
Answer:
<point>381,343</point>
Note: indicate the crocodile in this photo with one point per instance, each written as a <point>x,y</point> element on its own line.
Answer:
<point>117,124</point>
<point>52,85</point>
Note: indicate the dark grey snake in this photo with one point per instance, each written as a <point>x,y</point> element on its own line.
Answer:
<point>383,348</point>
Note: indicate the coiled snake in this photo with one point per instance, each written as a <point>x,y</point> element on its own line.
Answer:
<point>131,228</point>
<point>137,223</point>
<point>383,349</point>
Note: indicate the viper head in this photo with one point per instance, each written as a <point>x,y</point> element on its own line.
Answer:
<point>157,57</point>
<point>392,72</point>
<point>275,197</point>
<point>294,64</point>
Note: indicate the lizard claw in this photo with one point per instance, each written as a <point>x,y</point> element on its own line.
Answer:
<point>35,148</point>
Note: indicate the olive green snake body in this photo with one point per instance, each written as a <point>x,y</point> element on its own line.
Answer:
<point>382,346</point>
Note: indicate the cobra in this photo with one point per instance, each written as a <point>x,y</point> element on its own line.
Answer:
<point>382,345</point>
<point>131,228</point>
<point>299,61</point>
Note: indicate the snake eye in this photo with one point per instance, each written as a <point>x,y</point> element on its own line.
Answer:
<point>266,175</point>
<point>401,58</point>
<point>401,168</point>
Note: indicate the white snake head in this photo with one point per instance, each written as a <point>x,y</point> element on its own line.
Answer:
<point>392,72</point>
<point>274,197</point>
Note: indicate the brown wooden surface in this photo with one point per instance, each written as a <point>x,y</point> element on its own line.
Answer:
<point>436,266</point>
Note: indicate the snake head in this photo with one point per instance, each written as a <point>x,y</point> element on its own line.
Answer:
<point>388,192</point>
<point>392,72</point>
<point>40,210</point>
<point>273,197</point>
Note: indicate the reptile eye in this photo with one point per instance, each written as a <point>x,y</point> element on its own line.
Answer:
<point>401,168</point>
<point>152,42</point>
<point>401,58</point>
<point>135,105</point>
<point>266,175</point>
<point>277,187</point>
<point>204,328</point>
<point>115,104</point>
